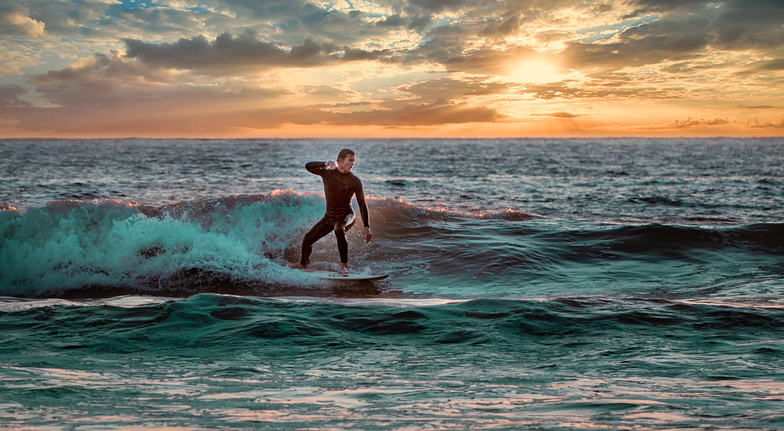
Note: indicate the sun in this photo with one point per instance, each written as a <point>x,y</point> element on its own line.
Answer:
<point>534,71</point>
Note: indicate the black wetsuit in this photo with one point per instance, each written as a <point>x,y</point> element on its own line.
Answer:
<point>339,188</point>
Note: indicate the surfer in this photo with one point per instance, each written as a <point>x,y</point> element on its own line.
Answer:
<point>339,186</point>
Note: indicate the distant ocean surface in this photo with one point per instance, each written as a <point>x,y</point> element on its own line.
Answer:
<point>545,284</point>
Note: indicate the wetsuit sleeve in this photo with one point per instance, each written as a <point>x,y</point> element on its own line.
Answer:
<point>363,209</point>
<point>316,168</point>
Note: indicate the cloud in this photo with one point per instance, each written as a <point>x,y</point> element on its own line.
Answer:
<point>117,82</point>
<point>160,21</point>
<point>762,67</point>
<point>15,21</point>
<point>432,90</point>
<point>439,5</point>
<point>644,7</point>
<point>439,112</point>
<point>758,107</point>
<point>63,18</point>
<point>560,114</point>
<point>757,124</point>
<point>638,46</point>
<point>690,123</point>
<point>610,87</point>
<point>9,95</point>
<point>685,30</point>
<point>426,109</point>
<point>227,53</point>
<point>743,24</point>
<point>12,61</point>
<point>222,64</point>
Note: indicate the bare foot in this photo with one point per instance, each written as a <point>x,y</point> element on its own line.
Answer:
<point>297,265</point>
<point>343,269</point>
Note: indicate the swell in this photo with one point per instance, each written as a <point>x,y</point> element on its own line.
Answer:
<point>400,218</point>
<point>230,322</point>
<point>475,257</point>
<point>677,241</point>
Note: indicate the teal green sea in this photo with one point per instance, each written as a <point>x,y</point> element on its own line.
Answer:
<point>535,284</point>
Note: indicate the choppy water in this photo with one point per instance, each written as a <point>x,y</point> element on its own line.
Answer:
<point>536,284</point>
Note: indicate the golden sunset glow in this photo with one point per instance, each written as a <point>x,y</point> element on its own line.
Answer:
<point>294,68</point>
<point>535,71</point>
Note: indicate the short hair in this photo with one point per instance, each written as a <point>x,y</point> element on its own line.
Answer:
<point>344,153</point>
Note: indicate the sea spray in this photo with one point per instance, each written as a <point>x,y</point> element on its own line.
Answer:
<point>69,245</point>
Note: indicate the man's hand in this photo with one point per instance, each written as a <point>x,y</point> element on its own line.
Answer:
<point>368,234</point>
<point>331,165</point>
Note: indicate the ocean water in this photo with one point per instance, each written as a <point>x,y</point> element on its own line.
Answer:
<point>537,284</point>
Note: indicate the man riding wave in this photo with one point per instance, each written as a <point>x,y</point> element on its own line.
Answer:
<point>340,185</point>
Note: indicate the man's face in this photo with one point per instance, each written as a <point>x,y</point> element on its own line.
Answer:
<point>345,165</point>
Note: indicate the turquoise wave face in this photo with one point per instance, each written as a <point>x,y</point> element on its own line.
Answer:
<point>243,245</point>
<point>113,244</point>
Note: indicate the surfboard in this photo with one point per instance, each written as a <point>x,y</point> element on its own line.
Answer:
<point>334,276</point>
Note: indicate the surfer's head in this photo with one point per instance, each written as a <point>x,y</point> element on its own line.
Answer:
<point>345,152</point>
<point>346,159</point>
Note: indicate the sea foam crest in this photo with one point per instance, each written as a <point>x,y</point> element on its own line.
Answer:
<point>75,244</point>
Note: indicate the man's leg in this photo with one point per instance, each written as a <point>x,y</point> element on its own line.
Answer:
<point>318,231</point>
<point>340,234</point>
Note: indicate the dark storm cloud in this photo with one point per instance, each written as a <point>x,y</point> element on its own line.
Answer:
<point>227,52</point>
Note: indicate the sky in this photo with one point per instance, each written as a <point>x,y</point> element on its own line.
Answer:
<point>391,68</point>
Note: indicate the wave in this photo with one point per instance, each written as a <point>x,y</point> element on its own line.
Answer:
<point>678,241</point>
<point>243,244</point>
<point>225,322</point>
<point>112,244</point>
